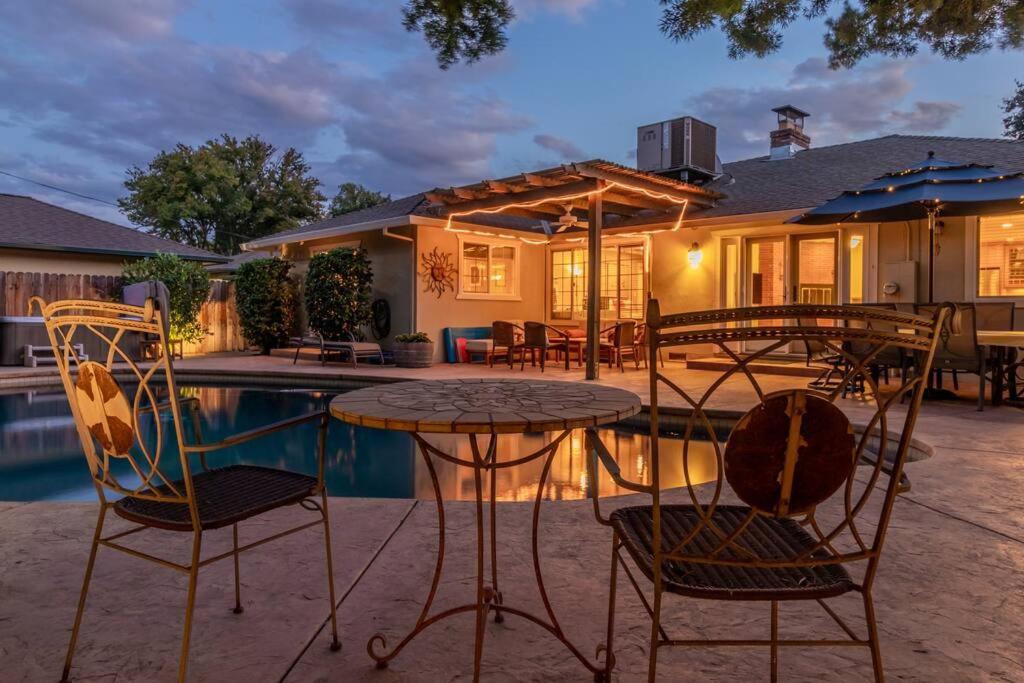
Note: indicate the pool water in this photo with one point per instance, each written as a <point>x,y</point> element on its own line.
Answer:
<point>41,457</point>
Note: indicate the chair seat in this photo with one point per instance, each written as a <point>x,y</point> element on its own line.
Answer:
<point>769,537</point>
<point>224,496</point>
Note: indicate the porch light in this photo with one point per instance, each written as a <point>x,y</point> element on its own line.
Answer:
<point>695,255</point>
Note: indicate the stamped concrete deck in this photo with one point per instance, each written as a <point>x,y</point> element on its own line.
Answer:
<point>950,592</point>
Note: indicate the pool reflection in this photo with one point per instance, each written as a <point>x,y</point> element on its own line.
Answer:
<point>40,457</point>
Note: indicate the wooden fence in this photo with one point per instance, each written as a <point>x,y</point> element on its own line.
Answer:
<point>218,315</point>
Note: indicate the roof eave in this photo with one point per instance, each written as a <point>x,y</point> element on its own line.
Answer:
<point>112,252</point>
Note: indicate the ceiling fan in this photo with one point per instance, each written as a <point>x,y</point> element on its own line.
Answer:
<point>564,222</point>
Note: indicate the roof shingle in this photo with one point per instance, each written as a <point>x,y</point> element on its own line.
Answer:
<point>818,174</point>
<point>27,223</point>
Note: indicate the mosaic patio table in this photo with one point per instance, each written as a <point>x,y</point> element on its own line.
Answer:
<point>481,408</point>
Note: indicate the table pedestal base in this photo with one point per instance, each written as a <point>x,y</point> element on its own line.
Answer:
<point>488,596</point>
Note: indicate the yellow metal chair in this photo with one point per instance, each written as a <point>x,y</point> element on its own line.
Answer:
<point>801,500</point>
<point>121,422</point>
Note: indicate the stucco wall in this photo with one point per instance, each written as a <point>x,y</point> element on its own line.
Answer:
<point>433,313</point>
<point>678,286</point>
<point>31,261</point>
<point>894,247</point>
<point>392,261</point>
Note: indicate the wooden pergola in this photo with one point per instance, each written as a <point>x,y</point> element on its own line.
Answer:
<point>602,196</point>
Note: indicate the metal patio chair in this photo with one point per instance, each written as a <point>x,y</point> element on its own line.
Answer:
<point>122,425</point>
<point>619,345</point>
<point>959,350</point>
<point>538,337</point>
<point>801,501</point>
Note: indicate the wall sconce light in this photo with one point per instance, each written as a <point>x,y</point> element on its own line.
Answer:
<point>695,255</point>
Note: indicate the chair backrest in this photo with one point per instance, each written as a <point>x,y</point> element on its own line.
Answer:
<point>996,316</point>
<point>535,334</point>
<point>623,334</point>
<point>119,407</point>
<point>503,333</point>
<point>816,349</point>
<point>794,454</point>
<point>959,344</point>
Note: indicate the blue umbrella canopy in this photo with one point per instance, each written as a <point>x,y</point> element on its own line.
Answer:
<point>930,187</point>
<point>923,191</point>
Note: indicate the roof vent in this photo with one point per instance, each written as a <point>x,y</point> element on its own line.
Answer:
<point>789,138</point>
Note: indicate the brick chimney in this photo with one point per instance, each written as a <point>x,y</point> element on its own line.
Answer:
<point>789,138</point>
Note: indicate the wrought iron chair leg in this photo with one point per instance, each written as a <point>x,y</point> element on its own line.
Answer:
<point>609,651</point>
<point>775,641</point>
<point>876,652</point>
<point>335,643</point>
<point>190,604</point>
<point>238,590</point>
<point>82,596</point>
<point>652,662</point>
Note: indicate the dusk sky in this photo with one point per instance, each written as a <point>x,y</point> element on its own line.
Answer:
<point>88,89</point>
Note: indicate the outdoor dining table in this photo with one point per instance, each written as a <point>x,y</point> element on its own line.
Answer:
<point>1005,344</point>
<point>481,409</point>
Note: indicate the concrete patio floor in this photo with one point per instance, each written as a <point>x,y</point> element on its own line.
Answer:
<point>950,591</point>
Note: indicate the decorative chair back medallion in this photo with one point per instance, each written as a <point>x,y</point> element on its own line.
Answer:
<point>123,421</point>
<point>104,409</point>
<point>438,272</point>
<point>789,453</point>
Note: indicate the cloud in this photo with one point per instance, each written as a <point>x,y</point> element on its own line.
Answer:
<point>565,149</point>
<point>403,129</point>
<point>348,20</point>
<point>844,105</point>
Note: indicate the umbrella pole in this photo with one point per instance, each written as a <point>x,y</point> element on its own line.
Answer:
<point>931,255</point>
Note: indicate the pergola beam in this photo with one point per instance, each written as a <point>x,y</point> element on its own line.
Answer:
<point>548,200</point>
<point>696,197</point>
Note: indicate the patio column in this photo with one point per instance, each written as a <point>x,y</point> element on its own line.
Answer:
<point>595,220</point>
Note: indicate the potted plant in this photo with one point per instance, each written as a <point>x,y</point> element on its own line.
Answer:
<point>413,350</point>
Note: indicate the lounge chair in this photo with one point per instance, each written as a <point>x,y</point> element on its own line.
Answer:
<point>348,350</point>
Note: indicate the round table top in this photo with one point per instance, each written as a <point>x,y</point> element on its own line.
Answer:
<point>484,406</point>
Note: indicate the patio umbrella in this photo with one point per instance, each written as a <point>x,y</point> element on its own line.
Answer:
<point>925,190</point>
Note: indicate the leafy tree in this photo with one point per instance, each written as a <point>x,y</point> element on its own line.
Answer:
<point>353,197</point>
<point>188,286</point>
<point>222,193</point>
<point>460,30</point>
<point>265,297</point>
<point>1013,106</point>
<point>467,29</point>
<point>339,284</point>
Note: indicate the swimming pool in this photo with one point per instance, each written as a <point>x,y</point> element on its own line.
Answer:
<point>41,459</point>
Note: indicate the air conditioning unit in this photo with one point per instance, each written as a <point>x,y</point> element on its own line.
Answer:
<point>683,148</point>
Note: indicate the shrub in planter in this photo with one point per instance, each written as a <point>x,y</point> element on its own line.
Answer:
<point>338,288</point>
<point>188,286</point>
<point>265,299</point>
<point>414,350</point>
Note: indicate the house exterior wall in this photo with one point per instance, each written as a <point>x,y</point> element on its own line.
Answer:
<point>68,263</point>
<point>392,261</point>
<point>434,313</point>
<point>908,241</point>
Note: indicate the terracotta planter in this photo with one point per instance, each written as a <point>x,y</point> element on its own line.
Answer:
<point>413,354</point>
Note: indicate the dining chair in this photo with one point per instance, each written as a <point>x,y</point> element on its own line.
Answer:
<point>799,500</point>
<point>148,471</point>
<point>819,356</point>
<point>506,339</point>
<point>959,350</point>
<point>619,345</point>
<point>538,337</point>
<point>640,346</point>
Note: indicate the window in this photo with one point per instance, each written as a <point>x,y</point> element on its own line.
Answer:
<point>488,270</point>
<point>1001,255</point>
<point>623,285</point>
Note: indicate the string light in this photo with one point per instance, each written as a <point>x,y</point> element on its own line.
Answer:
<point>683,203</point>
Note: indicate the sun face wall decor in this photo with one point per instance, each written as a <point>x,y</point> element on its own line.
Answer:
<point>438,272</point>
